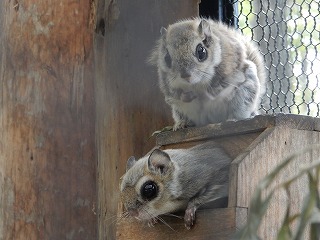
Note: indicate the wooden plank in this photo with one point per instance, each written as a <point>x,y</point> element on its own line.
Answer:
<point>129,104</point>
<point>235,145</point>
<point>229,128</point>
<point>233,128</point>
<point>295,121</point>
<point>218,224</point>
<point>47,123</point>
<point>232,145</point>
<point>262,159</point>
<point>234,174</point>
<point>317,125</point>
<point>241,217</point>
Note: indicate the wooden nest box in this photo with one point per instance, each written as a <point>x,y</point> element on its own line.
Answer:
<point>257,146</point>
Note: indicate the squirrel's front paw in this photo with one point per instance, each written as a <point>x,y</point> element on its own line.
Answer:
<point>250,68</point>
<point>152,222</point>
<point>179,125</point>
<point>187,96</point>
<point>189,217</point>
<point>182,124</point>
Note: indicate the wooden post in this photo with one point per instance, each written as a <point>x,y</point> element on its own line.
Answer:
<point>47,153</point>
<point>129,104</point>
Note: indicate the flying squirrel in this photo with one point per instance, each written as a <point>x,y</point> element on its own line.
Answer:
<point>208,72</point>
<point>166,181</point>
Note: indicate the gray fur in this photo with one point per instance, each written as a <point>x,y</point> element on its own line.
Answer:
<point>196,176</point>
<point>203,166</point>
<point>229,84</point>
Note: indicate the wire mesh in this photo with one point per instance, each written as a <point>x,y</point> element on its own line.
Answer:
<point>288,34</point>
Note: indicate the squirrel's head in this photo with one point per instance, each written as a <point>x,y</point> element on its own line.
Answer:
<point>188,52</point>
<point>143,187</point>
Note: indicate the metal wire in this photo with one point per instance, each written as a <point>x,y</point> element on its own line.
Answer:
<point>288,34</point>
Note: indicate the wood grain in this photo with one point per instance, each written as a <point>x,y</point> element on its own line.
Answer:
<point>129,105</point>
<point>232,128</point>
<point>234,170</point>
<point>264,156</point>
<point>229,128</point>
<point>233,145</point>
<point>218,224</point>
<point>297,121</point>
<point>47,123</point>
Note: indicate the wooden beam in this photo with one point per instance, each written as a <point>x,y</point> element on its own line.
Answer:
<point>47,120</point>
<point>129,104</point>
<point>233,128</point>
<point>217,224</point>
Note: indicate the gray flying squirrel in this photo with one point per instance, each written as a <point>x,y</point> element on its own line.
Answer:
<point>176,179</point>
<point>208,72</point>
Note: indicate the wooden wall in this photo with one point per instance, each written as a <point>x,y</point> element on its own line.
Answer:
<point>129,105</point>
<point>76,100</point>
<point>47,120</point>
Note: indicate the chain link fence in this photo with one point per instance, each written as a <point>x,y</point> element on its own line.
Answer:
<point>288,34</point>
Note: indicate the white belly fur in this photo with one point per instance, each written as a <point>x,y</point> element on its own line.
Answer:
<point>205,109</point>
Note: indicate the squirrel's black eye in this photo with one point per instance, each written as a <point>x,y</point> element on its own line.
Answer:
<point>149,190</point>
<point>168,60</point>
<point>201,53</point>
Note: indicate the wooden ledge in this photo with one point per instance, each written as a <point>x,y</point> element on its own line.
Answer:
<point>233,128</point>
<point>217,223</point>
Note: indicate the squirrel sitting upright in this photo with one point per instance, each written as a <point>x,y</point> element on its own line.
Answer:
<point>208,72</point>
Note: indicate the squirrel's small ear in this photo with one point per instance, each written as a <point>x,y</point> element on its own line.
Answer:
<point>163,31</point>
<point>131,161</point>
<point>204,27</point>
<point>159,161</point>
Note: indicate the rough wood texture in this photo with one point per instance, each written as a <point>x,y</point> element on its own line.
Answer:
<point>47,159</point>
<point>129,104</point>
<point>234,170</point>
<point>217,224</point>
<point>262,158</point>
<point>232,128</point>
<point>233,145</point>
